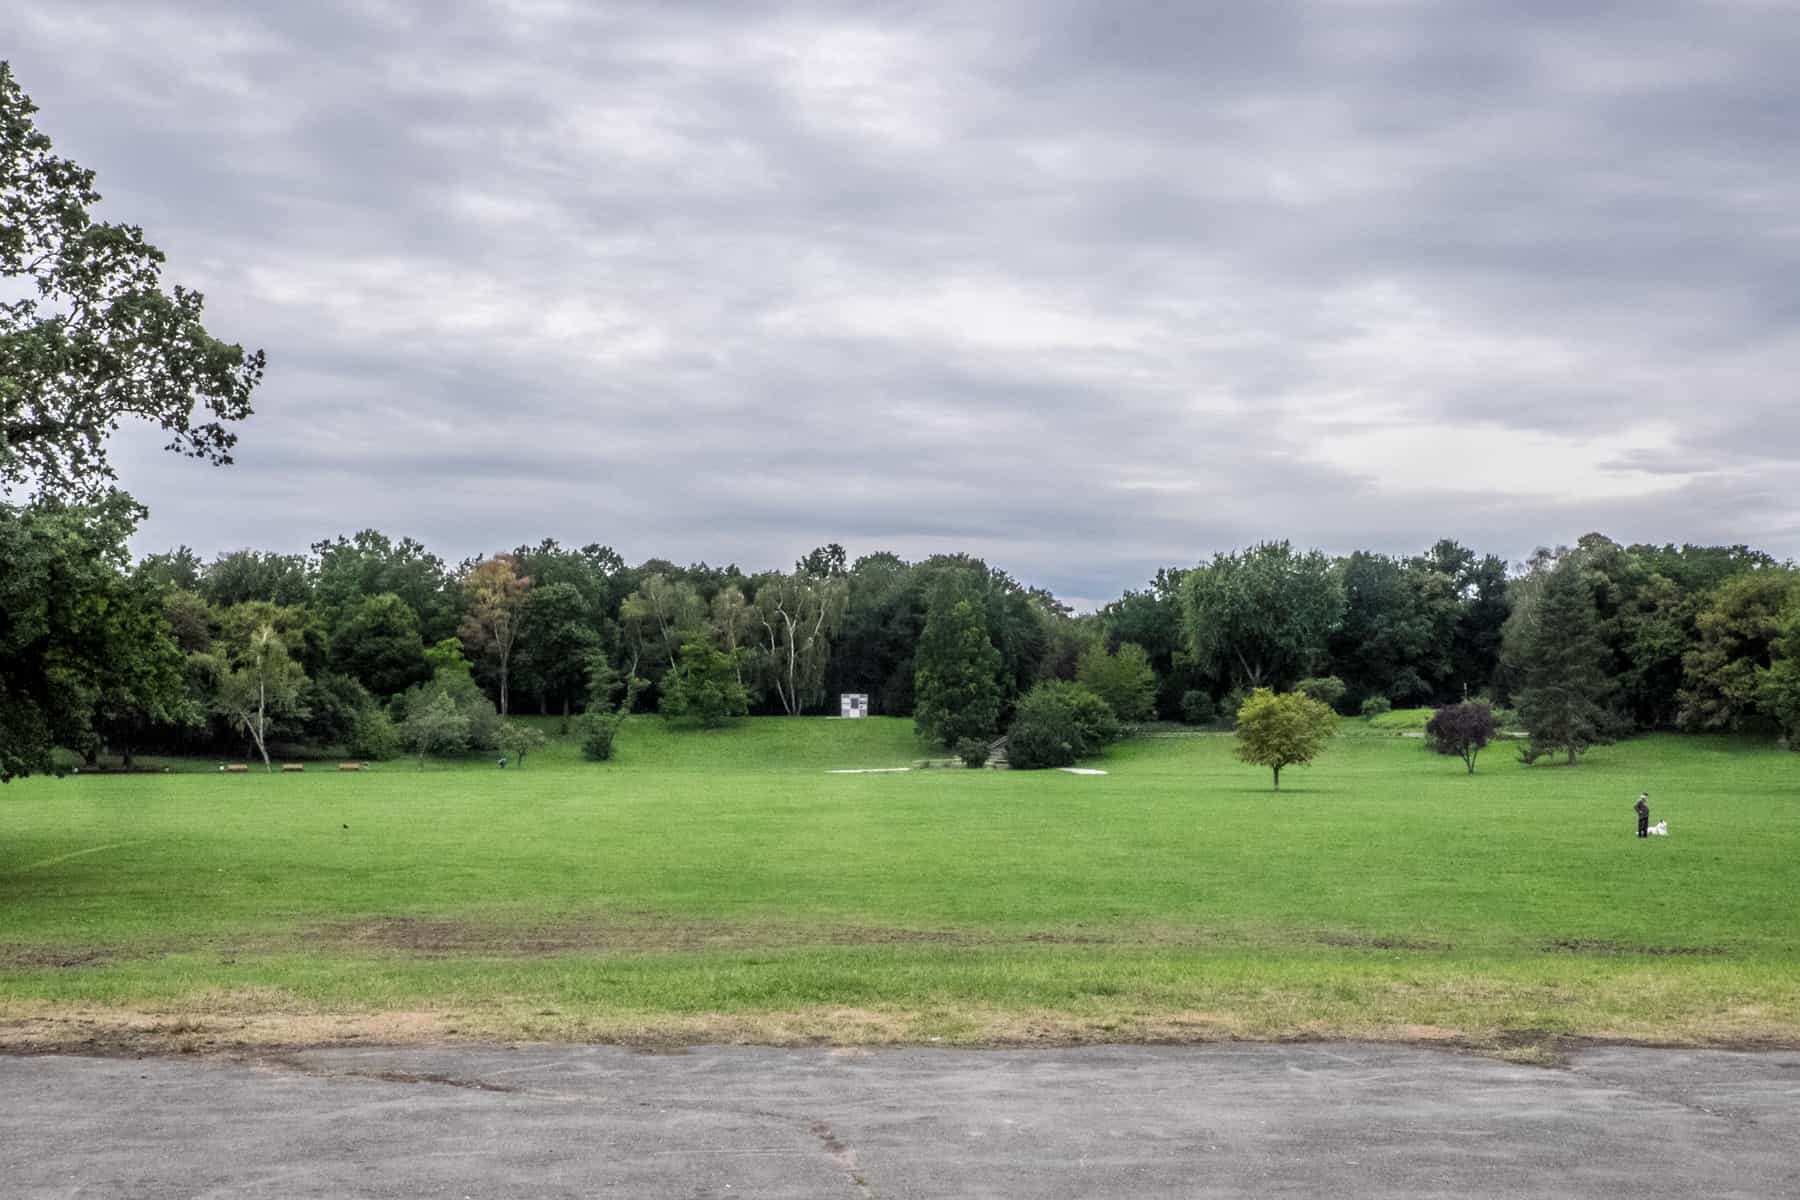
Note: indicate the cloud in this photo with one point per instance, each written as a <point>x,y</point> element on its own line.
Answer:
<point>1083,287</point>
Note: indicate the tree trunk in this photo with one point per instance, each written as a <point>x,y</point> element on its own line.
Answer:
<point>1277,778</point>
<point>261,728</point>
<point>564,727</point>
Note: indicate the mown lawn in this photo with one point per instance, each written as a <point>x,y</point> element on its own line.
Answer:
<point>724,885</point>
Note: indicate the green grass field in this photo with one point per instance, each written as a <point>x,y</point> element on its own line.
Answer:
<point>724,886</point>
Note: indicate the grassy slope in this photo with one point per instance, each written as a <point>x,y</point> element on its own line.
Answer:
<point>722,884</point>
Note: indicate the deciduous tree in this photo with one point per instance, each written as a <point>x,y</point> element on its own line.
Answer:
<point>797,615</point>
<point>560,635</point>
<point>1123,679</point>
<point>436,726</point>
<point>1738,633</point>
<point>88,336</point>
<point>494,616</point>
<point>705,688</point>
<point>518,739</point>
<point>1277,731</point>
<point>1261,616</point>
<point>378,645</point>
<point>1462,729</point>
<point>82,647</point>
<point>262,685</point>
<point>369,563</point>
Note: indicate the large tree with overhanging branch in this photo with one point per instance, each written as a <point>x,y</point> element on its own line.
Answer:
<point>89,336</point>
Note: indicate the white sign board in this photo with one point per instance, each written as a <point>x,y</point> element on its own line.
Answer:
<point>853,704</point>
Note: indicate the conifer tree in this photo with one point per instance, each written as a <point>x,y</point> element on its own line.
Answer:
<point>957,674</point>
<point>1554,648</point>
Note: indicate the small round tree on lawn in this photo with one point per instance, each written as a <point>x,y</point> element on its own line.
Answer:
<point>1277,731</point>
<point>435,726</point>
<point>1462,729</point>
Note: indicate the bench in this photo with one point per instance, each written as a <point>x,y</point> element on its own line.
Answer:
<point>351,766</point>
<point>287,767</point>
<point>235,768</point>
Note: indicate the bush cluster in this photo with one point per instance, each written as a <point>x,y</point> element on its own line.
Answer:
<point>1198,707</point>
<point>599,730</point>
<point>1328,690</point>
<point>1058,723</point>
<point>973,752</point>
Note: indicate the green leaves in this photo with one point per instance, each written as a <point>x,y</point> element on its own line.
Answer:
<point>1261,616</point>
<point>1123,680</point>
<point>705,686</point>
<point>957,679</point>
<point>1278,731</point>
<point>82,646</point>
<point>1554,648</point>
<point>97,340</point>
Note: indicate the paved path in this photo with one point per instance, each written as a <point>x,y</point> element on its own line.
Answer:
<point>1323,1120</point>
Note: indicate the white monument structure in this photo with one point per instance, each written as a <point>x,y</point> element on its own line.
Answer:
<point>853,704</point>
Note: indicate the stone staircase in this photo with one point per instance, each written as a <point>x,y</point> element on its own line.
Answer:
<point>997,754</point>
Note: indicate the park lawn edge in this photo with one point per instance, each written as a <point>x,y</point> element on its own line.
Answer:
<point>1520,1010</point>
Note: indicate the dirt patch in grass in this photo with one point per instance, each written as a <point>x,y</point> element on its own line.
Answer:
<point>646,933</point>
<point>1603,946</point>
<point>1358,941</point>
<point>38,958</point>
<point>449,937</point>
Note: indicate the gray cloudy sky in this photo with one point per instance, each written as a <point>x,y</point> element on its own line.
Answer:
<point>1082,287</point>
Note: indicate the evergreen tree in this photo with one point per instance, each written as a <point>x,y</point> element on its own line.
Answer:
<point>1554,648</point>
<point>957,677</point>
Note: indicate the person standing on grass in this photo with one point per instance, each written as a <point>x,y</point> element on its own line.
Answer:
<point>1643,812</point>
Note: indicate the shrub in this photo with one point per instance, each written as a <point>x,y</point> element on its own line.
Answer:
<point>483,721</point>
<point>373,736</point>
<point>1233,701</point>
<point>973,752</point>
<point>598,732</point>
<point>519,739</point>
<point>1376,706</point>
<point>1198,708</point>
<point>1057,723</point>
<point>1327,690</point>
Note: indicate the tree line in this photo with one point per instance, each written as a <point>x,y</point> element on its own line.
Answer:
<point>352,644</point>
